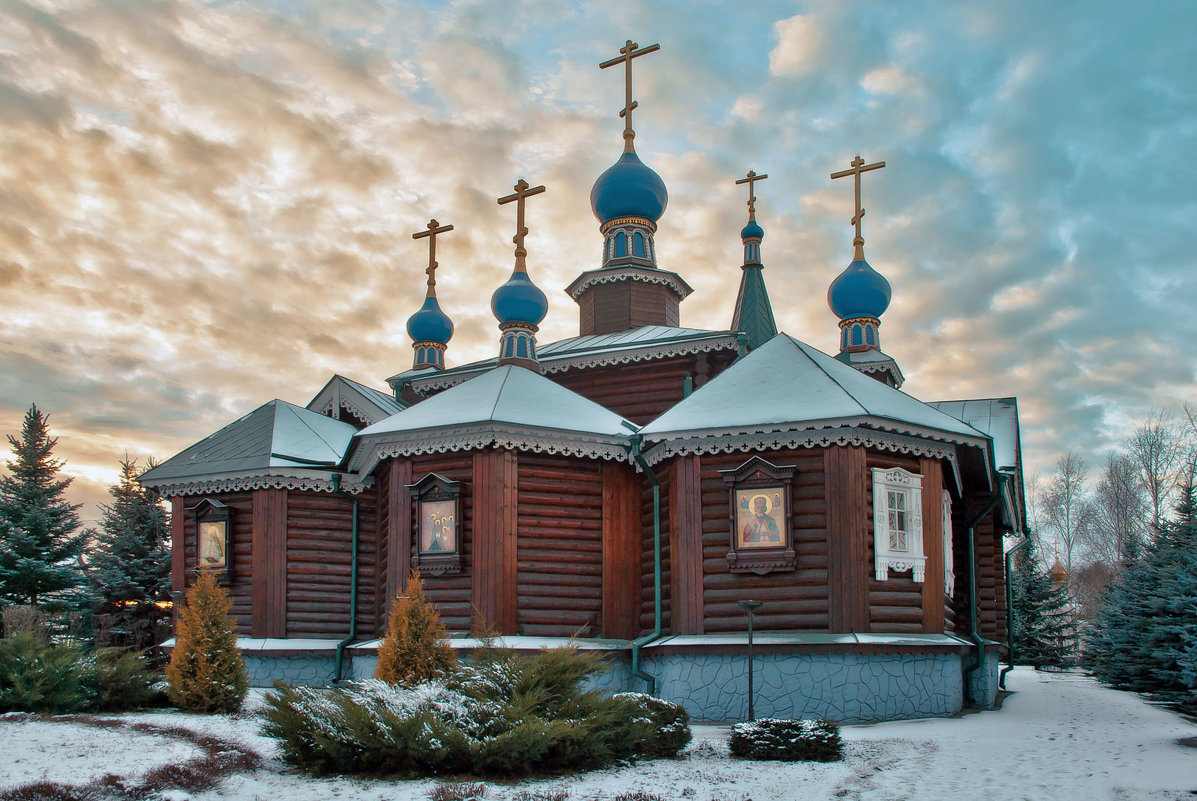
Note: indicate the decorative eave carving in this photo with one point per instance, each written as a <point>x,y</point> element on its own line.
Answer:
<point>549,364</point>
<point>611,275</point>
<point>274,479</point>
<point>483,435</point>
<point>920,442</point>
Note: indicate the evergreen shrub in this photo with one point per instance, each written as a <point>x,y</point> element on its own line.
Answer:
<point>54,678</point>
<point>416,646</point>
<point>506,714</point>
<point>125,680</point>
<point>206,671</point>
<point>787,740</point>
<point>38,676</point>
<point>669,722</point>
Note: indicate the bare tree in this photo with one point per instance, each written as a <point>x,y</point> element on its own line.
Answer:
<point>1066,507</point>
<point>1155,449</point>
<point>1120,513</point>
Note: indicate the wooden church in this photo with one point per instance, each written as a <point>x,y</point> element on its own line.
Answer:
<point>640,489</point>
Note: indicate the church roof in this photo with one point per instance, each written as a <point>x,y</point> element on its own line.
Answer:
<point>509,406</point>
<point>786,385</point>
<point>368,404</point>
<point>277,438</point>
<point>997,417</point>
<point>593,350</point>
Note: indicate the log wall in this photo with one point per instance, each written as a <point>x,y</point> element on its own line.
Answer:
<point>896,604</point>
<point>795,600</point>
<point>657,385</point>
<point>560,547</point>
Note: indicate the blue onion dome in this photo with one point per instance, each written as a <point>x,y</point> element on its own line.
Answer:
<point>430,324</point>
<point>519,301</point>
<point>859,291</point>
<point>629,188</point>
<point>752,231</point>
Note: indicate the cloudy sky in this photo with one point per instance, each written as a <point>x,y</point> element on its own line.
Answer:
<point>206,205</point>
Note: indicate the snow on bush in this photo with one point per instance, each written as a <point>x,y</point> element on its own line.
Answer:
<point>787,740</point>
<point>509,715</point>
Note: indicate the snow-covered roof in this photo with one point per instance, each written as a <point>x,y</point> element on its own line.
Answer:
<point>593,350</point>
<point>277,438</point>
<point>997,417</point>
<point>368,404</point>
<point>786,385</point>
<point>509,406</point>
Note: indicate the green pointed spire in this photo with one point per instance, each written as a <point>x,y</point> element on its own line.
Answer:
<point>754,314</point>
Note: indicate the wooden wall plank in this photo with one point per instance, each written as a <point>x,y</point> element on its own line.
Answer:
<point>269,617</point>
<point>178,545</point>
<point>933,584</point>
<point>621,535</point>
<point>848,530</point>
<point>494,594</point>
<point>399,540</point>
<point>685,545</point>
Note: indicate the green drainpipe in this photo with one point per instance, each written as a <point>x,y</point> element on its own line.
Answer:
<point>972,581</point>
<point>336,479</point>
<point>656,633</point>
<point>1026,540</point>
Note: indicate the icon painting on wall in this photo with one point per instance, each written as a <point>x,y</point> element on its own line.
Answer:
<point>760,517</point>
<point>438,526</point>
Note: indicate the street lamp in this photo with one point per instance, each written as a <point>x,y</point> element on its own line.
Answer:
<point>750,606</point>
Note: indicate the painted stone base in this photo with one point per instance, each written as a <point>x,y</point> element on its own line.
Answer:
<point>983,682</point>
<point>847,678</point>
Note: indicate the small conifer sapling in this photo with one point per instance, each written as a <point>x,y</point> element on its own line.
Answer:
<point>206,671</point>
<point>416,646</point>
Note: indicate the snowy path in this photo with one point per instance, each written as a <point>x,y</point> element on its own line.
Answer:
<point>1058,737</point>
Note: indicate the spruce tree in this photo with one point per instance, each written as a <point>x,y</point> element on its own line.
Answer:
<point>416,646</point>
<point>39,546</point>
<point>1146,635</point>
<point>129,565</point>
<point>1044,630</point>
<point>206,671</point>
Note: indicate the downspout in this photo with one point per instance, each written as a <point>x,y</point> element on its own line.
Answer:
<point>336,481</point>
<point>1026,540</point>
<point>640,642</point>
<point>978,642</point>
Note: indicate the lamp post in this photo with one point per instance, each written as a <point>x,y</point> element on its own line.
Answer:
<point>750,606</point>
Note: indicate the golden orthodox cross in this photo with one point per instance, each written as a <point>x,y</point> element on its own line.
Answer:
<point>629,51</point>
<point>751,179</point>
<point>434,228</point>
<point>858,166</point>
<point>522,190</point>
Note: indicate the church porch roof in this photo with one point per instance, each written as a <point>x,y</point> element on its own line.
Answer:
<point>788,386</point>
<point>509,406</point>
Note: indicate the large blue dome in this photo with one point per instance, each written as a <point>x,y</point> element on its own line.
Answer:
<point>859,291</point>
<point>519,301</point>
<point>628,189</point>
<point>430,324</point>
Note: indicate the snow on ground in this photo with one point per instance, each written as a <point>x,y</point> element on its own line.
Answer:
<point>1058,736</point>
<point>76,754</point>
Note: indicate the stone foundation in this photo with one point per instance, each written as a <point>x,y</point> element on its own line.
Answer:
<point>843,677</point>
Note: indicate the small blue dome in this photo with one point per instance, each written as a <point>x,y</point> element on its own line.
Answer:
<point>752,231</point>
<point>859,291</point>
<point>519,301</point>
<point>628,189</point>
<point>430,324</point>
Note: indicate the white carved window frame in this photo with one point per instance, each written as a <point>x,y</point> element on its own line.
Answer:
<point>901,492</point>
<point>949,566</point>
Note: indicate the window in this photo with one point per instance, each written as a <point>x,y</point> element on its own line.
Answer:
<point>638,244</point>
<point>898,522</point>
<point>621,244</point>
